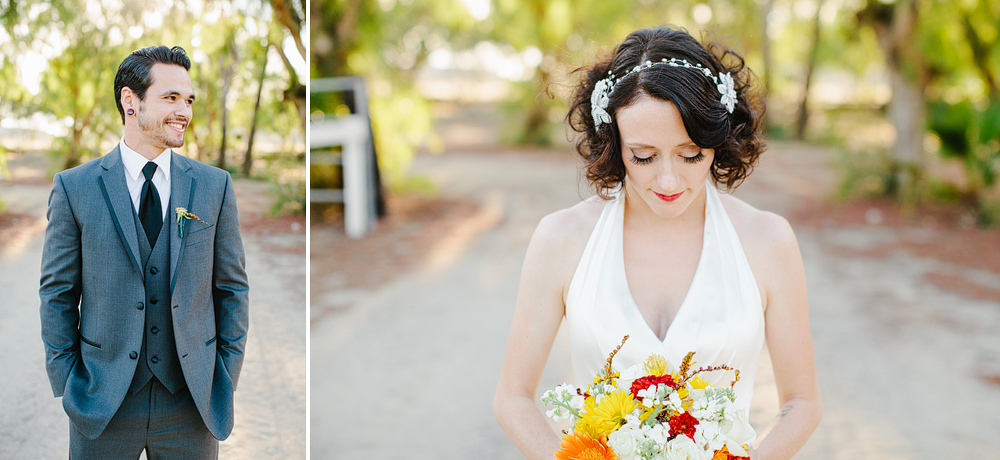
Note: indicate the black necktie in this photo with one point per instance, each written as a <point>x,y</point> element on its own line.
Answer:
<point>150,213</point>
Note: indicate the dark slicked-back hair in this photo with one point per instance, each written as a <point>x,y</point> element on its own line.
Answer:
<point>736,137</point>
<point>134,70</point>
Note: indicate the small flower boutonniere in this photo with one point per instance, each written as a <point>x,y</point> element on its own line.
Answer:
<point>183,215</point>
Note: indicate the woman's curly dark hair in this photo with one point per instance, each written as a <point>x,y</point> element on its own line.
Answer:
<point>736,137</point>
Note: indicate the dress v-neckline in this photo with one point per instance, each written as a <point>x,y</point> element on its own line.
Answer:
<point>691,287</point>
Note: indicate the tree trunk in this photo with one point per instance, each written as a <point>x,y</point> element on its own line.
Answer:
<point>768,65</point>
<point>534,126</point>
<point>73,159</point>
<point>896,29</point>
<point>296,92</point>
<point>981,56</point>
<point>803,118</point>
<point>286,16</point>
<point>227,71</point>
<point>248,158</point>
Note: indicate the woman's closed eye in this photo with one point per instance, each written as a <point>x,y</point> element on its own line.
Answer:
<point>641,160</point>
<point>694,158</point>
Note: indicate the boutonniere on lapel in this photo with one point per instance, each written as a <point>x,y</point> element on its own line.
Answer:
<point>183,215</point>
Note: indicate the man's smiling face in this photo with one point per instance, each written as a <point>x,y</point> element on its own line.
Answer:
<point>165,112</point>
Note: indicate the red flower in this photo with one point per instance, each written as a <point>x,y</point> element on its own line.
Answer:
<point>643,383</point>
<point>683,424</point>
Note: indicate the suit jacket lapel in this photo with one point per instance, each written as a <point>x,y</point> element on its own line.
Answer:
<point>119,201</point>
<point>182,186</point>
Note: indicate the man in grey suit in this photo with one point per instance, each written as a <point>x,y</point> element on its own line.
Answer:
<point>143,291</point>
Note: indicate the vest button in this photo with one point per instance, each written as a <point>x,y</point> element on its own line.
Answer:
<point>154,330</point>
<point>153,271</point>
<point>138,305</point>
<point>155,360</point>
<point>153,300</point>
<point>133,355</point>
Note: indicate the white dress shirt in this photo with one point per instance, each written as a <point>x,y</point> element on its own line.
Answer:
<point>134,163</point>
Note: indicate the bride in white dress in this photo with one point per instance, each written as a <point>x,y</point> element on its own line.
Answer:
<point>660,254</point>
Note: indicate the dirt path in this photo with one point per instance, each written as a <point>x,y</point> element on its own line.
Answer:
<point>908,368</point>
<point>270,402</point>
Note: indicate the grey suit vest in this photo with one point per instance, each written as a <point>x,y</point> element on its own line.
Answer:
<point>158,353</point>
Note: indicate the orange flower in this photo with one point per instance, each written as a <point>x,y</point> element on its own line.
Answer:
<point>579,446</point>
<point>723,454</point>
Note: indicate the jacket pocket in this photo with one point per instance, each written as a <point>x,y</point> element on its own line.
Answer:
<point>199,236</point>
<point>89,342</point>
<point>210,341</point>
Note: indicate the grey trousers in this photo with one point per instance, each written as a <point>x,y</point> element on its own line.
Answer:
<point>166,425</point>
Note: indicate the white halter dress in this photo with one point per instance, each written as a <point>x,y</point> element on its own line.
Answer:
<point>721,318</point>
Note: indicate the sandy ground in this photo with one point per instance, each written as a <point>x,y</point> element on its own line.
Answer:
<point>271,399</point>
<point>406,367</point>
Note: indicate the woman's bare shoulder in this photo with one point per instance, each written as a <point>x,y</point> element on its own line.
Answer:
<point>768,242</point>
<point>570,228</point>
<point>756,228</point>
<point>559,242</point>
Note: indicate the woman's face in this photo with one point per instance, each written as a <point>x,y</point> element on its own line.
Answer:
<point>664,168</point>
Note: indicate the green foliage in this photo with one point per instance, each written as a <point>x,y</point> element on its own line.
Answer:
<point>85,40</point>
<point>4,170</point>
<point>989,213</point>
<point>972,135</point>
<point>286,173</point>
<point>289,199</point>
<point>386,42</point>
<point>867,174</point>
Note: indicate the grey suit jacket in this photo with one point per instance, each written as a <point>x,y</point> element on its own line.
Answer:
<point>92,288</point>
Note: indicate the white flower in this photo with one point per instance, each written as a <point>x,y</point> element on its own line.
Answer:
<point>738,431</point>
<point>566,398</point>
<point>658,434</point>
<point>625,442</point>
<point>676,403</point>
<point>703,408</point>
<point>628,376</point>
<point>556,415</point>
<point>599,101</point>
<point>632,420</point>
<point>709,434</point>
<point>727,90</point>
<point>683,448</point>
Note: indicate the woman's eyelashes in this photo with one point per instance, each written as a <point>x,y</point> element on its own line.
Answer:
<point>694,159</point>
<point>641,160</point>
<point>649,159</point>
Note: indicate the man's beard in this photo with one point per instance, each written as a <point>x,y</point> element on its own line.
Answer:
<point>155,130</point>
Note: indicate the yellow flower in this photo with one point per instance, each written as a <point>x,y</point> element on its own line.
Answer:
<point>698,383</point>
<point>656,365</point>
<point>605,417</point>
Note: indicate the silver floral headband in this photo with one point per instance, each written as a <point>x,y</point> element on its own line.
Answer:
<point>601,96</point>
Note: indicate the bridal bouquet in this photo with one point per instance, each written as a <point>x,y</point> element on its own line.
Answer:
<point>651,411</point>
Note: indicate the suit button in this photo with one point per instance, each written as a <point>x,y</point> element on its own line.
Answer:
<point>155,360</point>
<point>153,271</point>
<point>138,305</point>
<point>154,330</point>
<point>133,355</point>
<point>154,300</point>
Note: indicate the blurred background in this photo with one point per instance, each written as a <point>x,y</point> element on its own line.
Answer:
<point>906,91</point>
<point>59,63</point>
<point>882,124</point>
<point>57,110</point>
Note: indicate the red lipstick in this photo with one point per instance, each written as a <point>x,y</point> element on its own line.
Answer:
<point>669,198</point>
